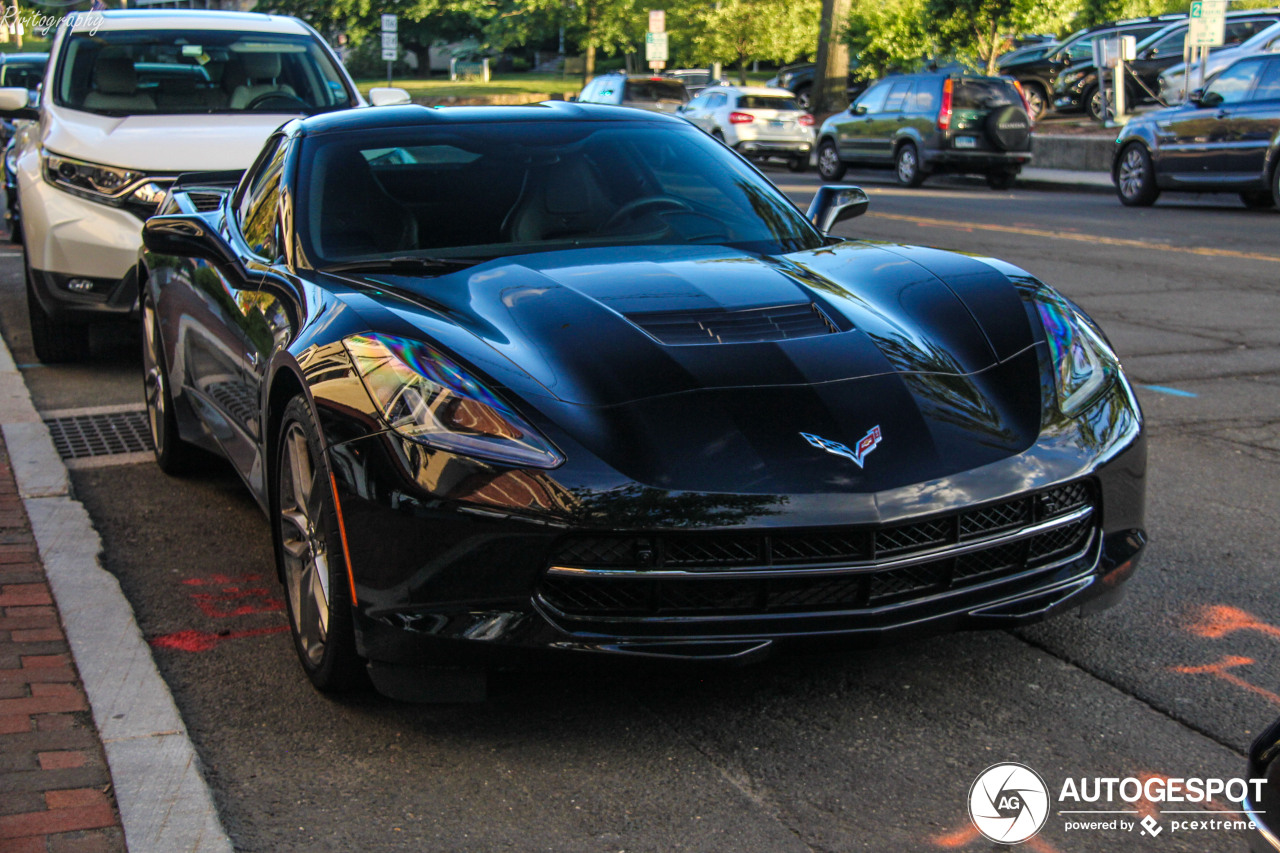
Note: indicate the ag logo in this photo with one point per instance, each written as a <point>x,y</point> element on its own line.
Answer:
<point>1008,803</point>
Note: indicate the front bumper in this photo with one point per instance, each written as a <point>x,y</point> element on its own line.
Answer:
<point>82,254</point>
<point>452,559</point>
<point>773,148</point>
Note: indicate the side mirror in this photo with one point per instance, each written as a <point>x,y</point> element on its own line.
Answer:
<point>1201,98</point>
<point>388,96</point>
<point>188,236</point>
<point>14,103</point>
<point>858,109</point>
<point>835,204</point>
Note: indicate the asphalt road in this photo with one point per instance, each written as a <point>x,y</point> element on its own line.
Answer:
<point>873,751</point>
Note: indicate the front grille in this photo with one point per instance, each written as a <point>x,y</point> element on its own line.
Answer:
<point>753,325</point>
<point>204,202</point>
<point>945,553</point>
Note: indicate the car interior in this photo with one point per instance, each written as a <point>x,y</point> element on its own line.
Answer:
<point>483,190</point>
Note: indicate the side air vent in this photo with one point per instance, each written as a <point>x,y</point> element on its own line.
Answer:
<point>753,325</point>
<point>205,202</point>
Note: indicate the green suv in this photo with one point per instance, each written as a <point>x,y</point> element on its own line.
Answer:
<point>921,124</point>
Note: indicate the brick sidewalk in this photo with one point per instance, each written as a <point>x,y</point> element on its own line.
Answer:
<point>55,790</point>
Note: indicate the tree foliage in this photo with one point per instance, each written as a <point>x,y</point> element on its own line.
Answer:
<point>889,35</point>
<point>736,32</point>
<point>981,27</point>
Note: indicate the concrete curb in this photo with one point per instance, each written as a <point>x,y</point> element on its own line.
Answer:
<point>165,804</point>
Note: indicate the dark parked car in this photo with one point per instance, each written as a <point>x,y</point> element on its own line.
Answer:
<point>25,70</point>
<point>1039,76</point>
<point>1077,88</point>
<point>798,79</point>
<point>694,79</point>
<point>1224,139</point>
<point>580,379</point>
<point>646,92</point>
<point>920,124</point>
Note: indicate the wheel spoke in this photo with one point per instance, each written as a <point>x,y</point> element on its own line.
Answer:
<point>300,466</point>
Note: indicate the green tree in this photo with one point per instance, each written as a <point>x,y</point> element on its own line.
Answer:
<point>595,25</point>
<point>736,32</point>
<point>889,35</point>
<point>981,27</point>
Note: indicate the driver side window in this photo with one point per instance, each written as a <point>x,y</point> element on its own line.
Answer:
<point>256,213</point>
<point>1233,85</point>
<point>873,99</point>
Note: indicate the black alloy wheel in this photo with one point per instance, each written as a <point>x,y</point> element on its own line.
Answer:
<point>830,166</point>
<point>173,455</point>
<point>309,553</point>
<point>1135,177</point>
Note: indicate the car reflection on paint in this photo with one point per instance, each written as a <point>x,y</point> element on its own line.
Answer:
<point>575,378</point>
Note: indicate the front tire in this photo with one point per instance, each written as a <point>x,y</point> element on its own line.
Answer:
<point>1037,100</point>
<point>310,556</point>
<point>907,166</point>
<point>1258,199</point>
<point>173,455</point>
<point>1093,104</point>
<point>1136,178</point>
<point>1001,179</point>
<point>830,166</point>
<point>55,340</point>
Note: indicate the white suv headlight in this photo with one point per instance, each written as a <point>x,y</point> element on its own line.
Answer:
<point>106,184</point>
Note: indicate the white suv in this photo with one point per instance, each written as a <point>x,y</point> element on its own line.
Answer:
<point>758,122</point>
<point>130,100</point>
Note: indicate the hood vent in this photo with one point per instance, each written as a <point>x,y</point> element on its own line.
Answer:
<point>753,325</point>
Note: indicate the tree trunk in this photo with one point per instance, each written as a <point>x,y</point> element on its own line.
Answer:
<point>589,63</point>
<point>992,45</point>
<point>831,76</point>
<point>742,70</point>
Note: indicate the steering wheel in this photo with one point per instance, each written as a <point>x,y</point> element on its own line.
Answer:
<point>286,102</point>
<point>631,208</point>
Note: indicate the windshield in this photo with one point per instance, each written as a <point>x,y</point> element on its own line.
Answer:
<point>487,190</point>
<point>197,71</point>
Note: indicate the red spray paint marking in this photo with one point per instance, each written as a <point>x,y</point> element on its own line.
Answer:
<point>203,641</point>
<point>221,580</point>
<point>1219,620</point>
<point>1219,670</point>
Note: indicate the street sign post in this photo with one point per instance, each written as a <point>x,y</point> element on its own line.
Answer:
<point>1206,28</point>
<point>390,41</point>
<point>655,50</point>
<point>655,41</point>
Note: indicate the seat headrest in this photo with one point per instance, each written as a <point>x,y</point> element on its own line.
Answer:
<point>571,188</point>
<point>115,75</point>
<point>261,66</point>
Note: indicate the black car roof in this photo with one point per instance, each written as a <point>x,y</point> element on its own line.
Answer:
<point>416,115</point>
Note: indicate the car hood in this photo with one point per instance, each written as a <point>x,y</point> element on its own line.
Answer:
<point>160,143</point>
<point>934,348</point>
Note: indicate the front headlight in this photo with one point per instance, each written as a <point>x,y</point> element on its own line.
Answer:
<point>1084,365</point>
<point>426,396</point>
<point>107,184</point>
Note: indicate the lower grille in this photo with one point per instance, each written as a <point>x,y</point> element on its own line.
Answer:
<point>950,560</point>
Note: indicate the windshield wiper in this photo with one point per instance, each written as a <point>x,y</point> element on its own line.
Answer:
<point>406,264</point>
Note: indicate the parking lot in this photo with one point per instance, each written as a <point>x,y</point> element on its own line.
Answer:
<point>874,750</point>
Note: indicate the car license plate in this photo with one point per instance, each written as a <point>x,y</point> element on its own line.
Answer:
<point>778,123</point>
<point>966,142</point>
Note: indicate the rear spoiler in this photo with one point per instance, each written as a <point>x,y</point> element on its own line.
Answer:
<point>226,179</point>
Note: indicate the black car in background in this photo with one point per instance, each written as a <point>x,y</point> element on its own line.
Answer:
<point>1224,139</point>
<point>642,91</point>
<point>628,401</point>
<point>25,70</point>
<point>1077,89</point>
<point>920,124</point>
<point>1039,76</point>
<point>798,79</point>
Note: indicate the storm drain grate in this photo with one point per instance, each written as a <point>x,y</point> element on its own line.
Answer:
<point>81,436</point>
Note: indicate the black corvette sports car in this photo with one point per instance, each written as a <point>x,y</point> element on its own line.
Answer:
<point>579,378</point>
